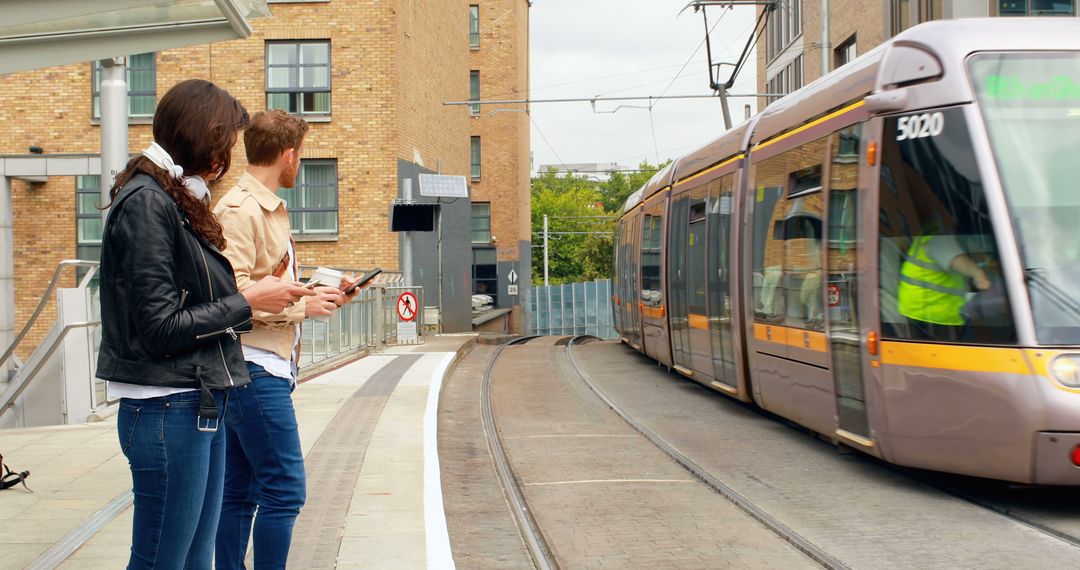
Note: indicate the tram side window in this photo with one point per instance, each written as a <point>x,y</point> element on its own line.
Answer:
<point>696,245</point>
<point>650,261</point>
<point>940,274</point>
<point>787,238</point>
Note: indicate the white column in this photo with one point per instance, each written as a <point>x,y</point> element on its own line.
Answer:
<point>114,123</point>
<point>7,273</point>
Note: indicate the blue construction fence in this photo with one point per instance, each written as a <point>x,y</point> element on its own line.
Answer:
<point>571,309</point>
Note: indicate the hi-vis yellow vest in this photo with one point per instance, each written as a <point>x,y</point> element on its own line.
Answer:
<point>927,293</point>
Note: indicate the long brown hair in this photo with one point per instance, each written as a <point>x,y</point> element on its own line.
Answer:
<point>196,122</point>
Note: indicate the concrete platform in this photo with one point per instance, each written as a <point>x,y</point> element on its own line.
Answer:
<point>368,434</point>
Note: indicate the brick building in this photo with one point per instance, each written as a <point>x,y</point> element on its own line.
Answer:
<point>790,53</point>
<point>371,76</point>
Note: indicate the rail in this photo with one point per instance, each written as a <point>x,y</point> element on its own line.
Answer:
<point>14,391</point>
<point>350,328</point>
<point>93,265</point>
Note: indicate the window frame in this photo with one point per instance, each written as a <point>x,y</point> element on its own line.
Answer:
<point>474,92</point>
<point>475,217</point>
<point>299,66</point>
<point>494,293</point>
<point>82,245</point>
<point>297,211</point>
<point>96,73</point>
<point>475,157</point>
<point>474,26</point>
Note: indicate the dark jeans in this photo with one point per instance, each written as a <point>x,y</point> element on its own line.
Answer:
<point>177,476</point>
<point>264,468</point>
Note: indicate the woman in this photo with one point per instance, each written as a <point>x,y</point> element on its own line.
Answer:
<point>170,319</point>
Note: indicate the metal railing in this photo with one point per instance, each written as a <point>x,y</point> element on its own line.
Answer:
<point>352,327</point>
<point>571,309</point>
<point>93,265</point>
<point>23,380</point>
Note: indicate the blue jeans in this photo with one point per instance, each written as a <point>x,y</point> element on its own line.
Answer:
<point>264,468</point>
<point>177,473</point>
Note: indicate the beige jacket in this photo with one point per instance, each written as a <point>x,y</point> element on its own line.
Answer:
<point>258,234</point>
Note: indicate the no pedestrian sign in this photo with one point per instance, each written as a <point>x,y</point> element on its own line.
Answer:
<point>406,306</point>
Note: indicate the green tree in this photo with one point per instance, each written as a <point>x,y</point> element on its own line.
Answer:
<point>621,185</point>
<point>581,220</point>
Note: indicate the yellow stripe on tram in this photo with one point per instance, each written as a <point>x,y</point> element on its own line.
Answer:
<point>950,357</point>
<point>811,124</point>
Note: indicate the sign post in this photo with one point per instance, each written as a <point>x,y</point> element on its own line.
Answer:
<point>512,287</point>
<point>407,308</point>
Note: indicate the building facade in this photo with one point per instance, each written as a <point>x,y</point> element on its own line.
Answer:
<point>794,51</point>
<point>370,76</point>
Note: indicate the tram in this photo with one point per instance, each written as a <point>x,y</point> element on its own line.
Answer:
<point>889,256</point>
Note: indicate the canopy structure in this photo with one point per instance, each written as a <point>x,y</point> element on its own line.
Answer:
<point>44,33</point>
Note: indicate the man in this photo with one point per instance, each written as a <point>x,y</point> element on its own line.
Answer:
<point>934,285</point>
<point>264,466</point>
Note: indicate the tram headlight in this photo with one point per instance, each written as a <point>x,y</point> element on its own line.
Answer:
<point>1066,369</point>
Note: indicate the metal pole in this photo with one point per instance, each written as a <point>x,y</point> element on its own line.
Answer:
<point>545,250</point>
<point>406,248</point>
<point>7,272</point>
<point>826,46</point>
<point>114,123</point>
<point>721,90</point>
<point>438,252</point>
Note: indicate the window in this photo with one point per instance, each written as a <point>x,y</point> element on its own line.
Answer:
<point>485,273</point>
<point>87,219</point>
<point>474,26</point>
<point>651,293</point>
<point>788,212</point>
<point>298,77</point>
<point>481,223</point>
<point>474,91</point>
<point>936,235</point>
<point>900,12</point>
<point>313,199</point>
<point>142,86</point>
<point>475,143</point>
<point>788,79</point>
<point>1036,8</point>
<point>695,255</point>
<point>783,26</point>
<point>846,52</point>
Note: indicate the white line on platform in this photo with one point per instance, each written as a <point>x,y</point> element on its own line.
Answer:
<point>436,534</point>
<point>590,481</point>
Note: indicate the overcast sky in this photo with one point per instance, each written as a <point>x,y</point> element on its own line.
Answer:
<point>586,48</point>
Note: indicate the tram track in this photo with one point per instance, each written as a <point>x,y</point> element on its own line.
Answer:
<point>731,495</point>
<point>539,550</point>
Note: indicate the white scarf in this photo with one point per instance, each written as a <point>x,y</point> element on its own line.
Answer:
<point>195,184</point>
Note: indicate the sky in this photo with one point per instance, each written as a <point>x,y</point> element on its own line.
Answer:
<point>618,48</point>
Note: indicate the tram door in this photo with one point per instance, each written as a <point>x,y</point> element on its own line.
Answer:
<point>651,304</point>
<point>841,292</point>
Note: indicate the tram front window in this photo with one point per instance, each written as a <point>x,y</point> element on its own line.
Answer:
<point>1031,105</point>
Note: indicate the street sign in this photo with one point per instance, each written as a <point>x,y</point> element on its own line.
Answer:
<point>512,277</point>
<point>834,295</point>
<point>406,333</point>
<point>443,186</point>
<point>511,290</point>
<point>406,306</point>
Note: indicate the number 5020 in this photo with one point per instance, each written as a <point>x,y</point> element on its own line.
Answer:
<point>919,126</point>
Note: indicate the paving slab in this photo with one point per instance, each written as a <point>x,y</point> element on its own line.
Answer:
<point>603,495</point>
<point>854,508</point>
<point>77,470</point>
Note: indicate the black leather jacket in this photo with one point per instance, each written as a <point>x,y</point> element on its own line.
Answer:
<point>170,311</point>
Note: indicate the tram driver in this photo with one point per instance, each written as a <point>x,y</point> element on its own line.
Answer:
<point>933,288</point>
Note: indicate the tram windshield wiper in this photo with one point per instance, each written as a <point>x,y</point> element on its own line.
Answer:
<point>1036,276</point>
